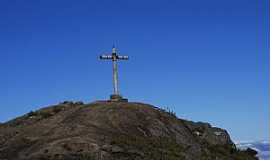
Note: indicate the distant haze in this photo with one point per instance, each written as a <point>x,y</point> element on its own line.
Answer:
<point>263,148</point>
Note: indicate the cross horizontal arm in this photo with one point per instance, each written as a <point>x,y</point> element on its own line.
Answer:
<point>106,57</point>
<point>123,57</point>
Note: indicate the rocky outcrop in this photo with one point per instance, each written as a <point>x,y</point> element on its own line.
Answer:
<point>112,130</point>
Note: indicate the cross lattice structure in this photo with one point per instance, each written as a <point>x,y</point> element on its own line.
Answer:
<point>115,57</point>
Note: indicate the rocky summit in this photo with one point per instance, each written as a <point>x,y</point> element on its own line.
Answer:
<point>113,131</point>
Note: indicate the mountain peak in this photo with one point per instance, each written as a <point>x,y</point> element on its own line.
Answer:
<point>112,130</point>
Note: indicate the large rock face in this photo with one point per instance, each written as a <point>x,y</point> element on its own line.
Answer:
<point>112,131</point>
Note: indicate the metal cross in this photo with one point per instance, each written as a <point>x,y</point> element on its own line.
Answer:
<point>114,57</point>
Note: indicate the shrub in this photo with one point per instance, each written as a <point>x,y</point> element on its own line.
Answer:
<point>45,114</point>
<point>31,113</point>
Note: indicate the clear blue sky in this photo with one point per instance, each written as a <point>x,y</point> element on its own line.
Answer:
<point>206,59</point>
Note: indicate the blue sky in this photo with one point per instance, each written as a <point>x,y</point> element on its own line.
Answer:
<point>207,60</point>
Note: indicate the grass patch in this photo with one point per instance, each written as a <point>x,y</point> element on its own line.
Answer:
<point>149,148</point>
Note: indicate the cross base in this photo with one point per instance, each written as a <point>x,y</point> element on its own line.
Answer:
<point>117,98</point>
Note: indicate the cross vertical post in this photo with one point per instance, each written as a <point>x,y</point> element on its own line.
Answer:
<point>115,57</point>
<point>115,72</point>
